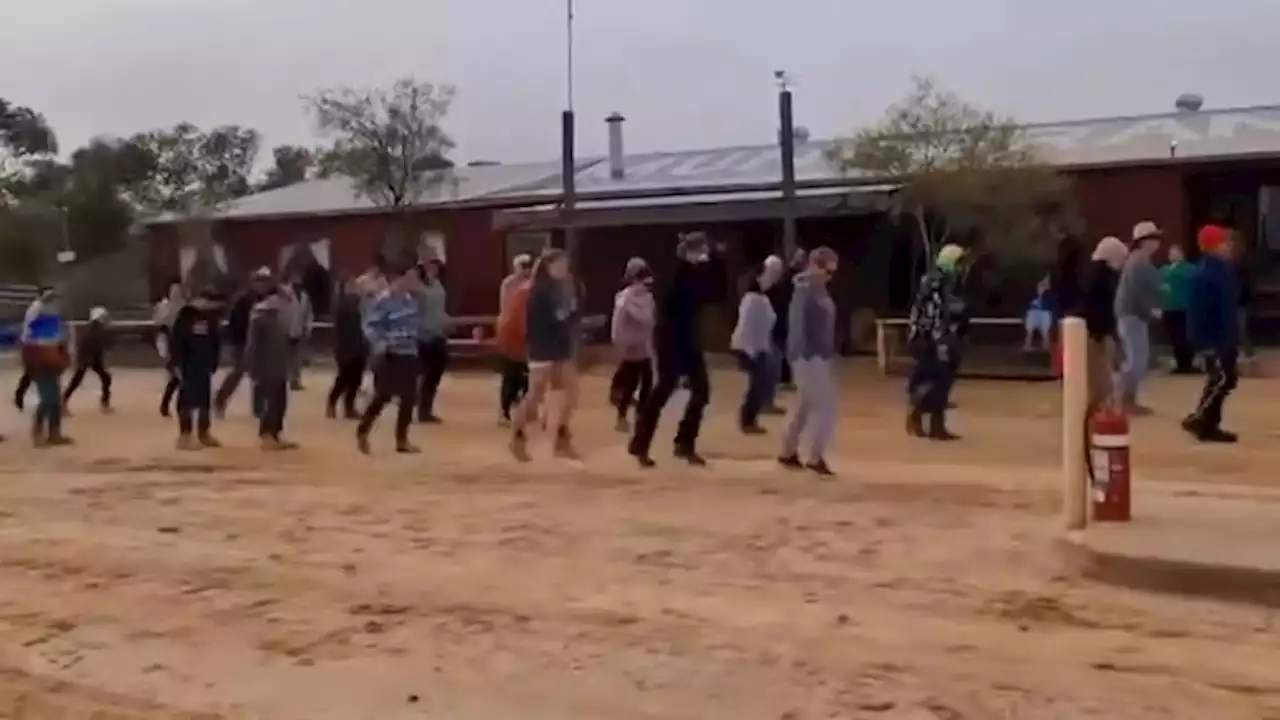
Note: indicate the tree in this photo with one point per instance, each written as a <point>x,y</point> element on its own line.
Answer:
<point>387,140</point>
<point>293,164</point>
<point>25,136</point>
<point>188,170</point>
<point>966,173</point>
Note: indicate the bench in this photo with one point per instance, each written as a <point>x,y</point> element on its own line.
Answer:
<point>993,351</point>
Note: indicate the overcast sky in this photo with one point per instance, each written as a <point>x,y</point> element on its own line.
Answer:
<point>686,73</point>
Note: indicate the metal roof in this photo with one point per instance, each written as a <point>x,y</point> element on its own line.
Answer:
<point>1141,139</point>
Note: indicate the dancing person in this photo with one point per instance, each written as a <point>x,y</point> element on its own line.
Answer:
<point>43,295</point>
<point>1098,305</point>
<point>1178,276</point>
<point>509,344</point>
<point>1139,294</point>
<point>811,350</point>
<point>45,358</point>
<point>300,318</point>
<point>267,359</point>
<point>166,313</point>
<point>433,336</point>
<point>1040,316</point>
<point>521,271</point>
<point>752,342</point>
<point>631,330</point>
<point>1213,301</point>
<point>237,334</point>
<point>195,349</point>
<point>782,307</point>
<point>780,299</point>
<point>391,329</point>
<point>551,338</point>
<point>932,337</point>
<point>350,352</point>
<point>91,354</point>
<point>678,354</point>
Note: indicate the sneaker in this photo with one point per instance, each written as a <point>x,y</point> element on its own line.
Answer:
<point>209,441</point>
<point>790,462</point>
<point>690,456</point>
<point>430,419</point>
<point>1218,435</point>
<point>820,467</point>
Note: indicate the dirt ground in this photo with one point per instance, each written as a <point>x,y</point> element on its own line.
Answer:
<point>921,584</point>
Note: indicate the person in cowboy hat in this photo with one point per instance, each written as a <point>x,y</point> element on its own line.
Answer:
<point>1139,298</point>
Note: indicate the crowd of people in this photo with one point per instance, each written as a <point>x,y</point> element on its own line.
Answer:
<point>392,323</point>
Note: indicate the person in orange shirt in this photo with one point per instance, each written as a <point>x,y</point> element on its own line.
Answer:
<point>509,343</point>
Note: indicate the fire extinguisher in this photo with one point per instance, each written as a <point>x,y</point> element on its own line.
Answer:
<point>1109,464</point>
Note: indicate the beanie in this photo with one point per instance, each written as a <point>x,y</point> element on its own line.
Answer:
<point>1212,237</point>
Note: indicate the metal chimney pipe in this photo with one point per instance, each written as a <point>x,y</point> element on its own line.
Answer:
<point>617,163</point>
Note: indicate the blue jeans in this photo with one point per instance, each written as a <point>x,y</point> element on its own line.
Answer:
<point>1135,344</point>
<point>49,408</point>
<point>774,359</point>
<point>760,383</point>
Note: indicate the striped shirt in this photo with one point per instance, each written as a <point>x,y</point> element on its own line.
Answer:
<point>391,324</point>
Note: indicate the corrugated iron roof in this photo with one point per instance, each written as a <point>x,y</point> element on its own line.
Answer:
<point>1205,134</point>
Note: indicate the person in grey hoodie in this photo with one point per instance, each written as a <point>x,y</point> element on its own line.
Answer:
<point>433,337</point>
<point>631,329</point>
<point>551,329</point>
<point>1139,297</point>
<point>811,349</point>
<point>268,357</point>
<point>752,342</point>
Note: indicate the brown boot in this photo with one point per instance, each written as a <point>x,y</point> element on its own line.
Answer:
<point>563,447</point>
<point>209,441</point>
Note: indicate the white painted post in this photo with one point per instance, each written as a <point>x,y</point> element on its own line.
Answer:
<point>1075,400</point>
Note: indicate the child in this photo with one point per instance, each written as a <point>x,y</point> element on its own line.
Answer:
<point>91,355</point>
<point>268,357</point>
<point>45,358</point>
<point>1211,322</point>
<point>194,350</point>
<point>632,332</point>
<point>1040,317</point>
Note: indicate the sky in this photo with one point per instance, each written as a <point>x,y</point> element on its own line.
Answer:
<point>686,73</point>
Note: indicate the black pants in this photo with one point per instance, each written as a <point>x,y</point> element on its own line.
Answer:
<point>671,368</point>
<point>434,356</point>
<point>514,384</point>
<point>170,389</point>
<point>1222,375</point>
<point>195,402</point>
<point>784,376</point>
<point>1175,327</point>
<point>759,376</point>
<point>20,392</point>
<point>632,383</point>
<point>104,379</point>
<point>395,377</point>
<point>346,384</point>
<point>274,396</point>
<point>230,381</point>
<point>929,387</point>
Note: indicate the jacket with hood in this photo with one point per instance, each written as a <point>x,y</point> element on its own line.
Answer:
<point>195,347</point>
<point>811,332</point>
<point>631,327</point>
<point>753,333</point>
<point>931,325</point>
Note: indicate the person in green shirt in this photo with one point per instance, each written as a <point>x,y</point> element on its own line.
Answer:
<point>1178,275</point>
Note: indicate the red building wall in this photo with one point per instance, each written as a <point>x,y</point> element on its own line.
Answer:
<point>476,262</point>
<point>1112,200</point>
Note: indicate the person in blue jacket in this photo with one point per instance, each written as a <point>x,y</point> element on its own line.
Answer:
<point>1214,333</point>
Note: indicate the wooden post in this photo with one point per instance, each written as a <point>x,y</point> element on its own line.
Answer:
<point>1075,401</point>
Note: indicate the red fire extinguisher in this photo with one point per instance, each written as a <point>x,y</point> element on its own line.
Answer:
<point>1109,464</point>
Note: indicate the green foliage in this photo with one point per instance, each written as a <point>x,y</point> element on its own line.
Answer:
<point>968,174</point>
<point>389,140</point>
<point>293,164</point>
<point>184,169</point>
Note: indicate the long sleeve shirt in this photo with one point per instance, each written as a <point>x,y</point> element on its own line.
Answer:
<point>433,317</point>
<point>1140,291</point>
<point>391,324</point>
<point>753,333</point>
<point>931,324</point>
<point>1212,306</point>
<point>1098,304</point>
<point>631,326</point>
<point>811,331</point>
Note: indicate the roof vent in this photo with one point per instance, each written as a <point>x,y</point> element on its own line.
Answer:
<point>1189,102</point>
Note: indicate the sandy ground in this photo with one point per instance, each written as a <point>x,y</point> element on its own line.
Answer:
<point>140,582</point>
